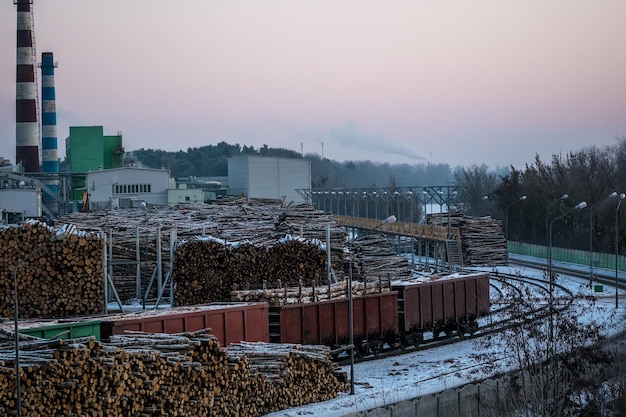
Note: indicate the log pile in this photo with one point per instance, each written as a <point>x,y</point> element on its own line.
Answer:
<point>59,279</point>
<point>297,374</point>
<point>374,257</point>
<point>260,223</point>
<point>206,270</point>
<point>185,374</point>
<point>482,238</point>
<point>313,293</point>
<point>263,253</point>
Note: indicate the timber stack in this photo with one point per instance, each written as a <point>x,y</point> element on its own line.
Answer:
<point>483,241</point>
<point>260,223</point>
<point>301,294</point>
<point>206,270</point>
<point>374,258</point>
<point>286,367</point>
<point>138,374</point>
<point>59,279</point>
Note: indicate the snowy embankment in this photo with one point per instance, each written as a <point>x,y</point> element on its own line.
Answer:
<point>405,377</point>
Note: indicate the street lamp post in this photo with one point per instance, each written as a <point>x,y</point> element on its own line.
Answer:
<point>389,219</point>
<point>563,198</point>
<point>578,206</point>
<point>61,234</point>
<point>376,206</point>
<point>440,193</point>
<point>351,320</point>
<point>426,198</point>
<point>454,194</point>
<point>365,198</point>
<point>396,195</point>
<point>506,217</point>
<point>612,195</point>
<point>410,198</point>
<point>619,203</point>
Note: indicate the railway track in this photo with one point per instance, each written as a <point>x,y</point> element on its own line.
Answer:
<point>510,290</point>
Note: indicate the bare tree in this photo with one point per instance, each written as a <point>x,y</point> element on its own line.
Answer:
<point>560,363</point>
<point>474,184</point>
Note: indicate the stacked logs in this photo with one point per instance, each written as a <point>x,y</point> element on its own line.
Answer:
<point>302,294</point>
<point>183,374</point>
<point>206,270</point>
<point>373,257</point>
<point>133,232</point>
<point>288,367</point>
<point>483,242</point>
<point>54,279</point>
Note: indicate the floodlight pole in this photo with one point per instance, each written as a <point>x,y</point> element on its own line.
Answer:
<point>578,206</point>
<point>351,320</point>
<point>561,200</point>
<point>619,203</point>
<point>613,194</point>
<point>389,219</point>
<point>506,217</point>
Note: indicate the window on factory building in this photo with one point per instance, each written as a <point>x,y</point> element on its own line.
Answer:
<point>131,188</point>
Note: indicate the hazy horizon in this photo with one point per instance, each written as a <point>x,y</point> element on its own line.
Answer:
<point>404,82</point>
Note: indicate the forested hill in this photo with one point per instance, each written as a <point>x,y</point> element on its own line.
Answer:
<point>212,160</point>
<point>206,161</point>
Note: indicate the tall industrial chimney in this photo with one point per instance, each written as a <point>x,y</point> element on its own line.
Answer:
<point>49,147</point>
<point>26,127</point>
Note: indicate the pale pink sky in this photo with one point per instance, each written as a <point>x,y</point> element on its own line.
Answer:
<point>482,81</point>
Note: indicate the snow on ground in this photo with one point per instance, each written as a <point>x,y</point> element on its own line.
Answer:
<point>387,381</point>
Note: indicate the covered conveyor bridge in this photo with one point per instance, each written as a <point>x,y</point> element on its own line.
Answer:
<point>450,236</point>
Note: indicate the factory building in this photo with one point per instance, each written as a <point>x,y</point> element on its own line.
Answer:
<point>269,177</point>
<point>184,195</point>
<point>126,188</point>
<point>88,149</point>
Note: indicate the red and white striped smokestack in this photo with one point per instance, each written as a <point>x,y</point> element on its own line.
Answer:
<point>26,127</point>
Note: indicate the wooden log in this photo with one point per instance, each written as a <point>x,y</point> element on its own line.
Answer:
<point>200,378</point>
<point>55,279</point>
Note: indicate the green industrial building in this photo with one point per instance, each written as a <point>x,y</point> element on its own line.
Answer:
<point>88,149</point>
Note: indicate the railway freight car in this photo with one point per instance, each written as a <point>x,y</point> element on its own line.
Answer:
<point>375,318</point>
<point>449,304</point>
<point>229,322</point>
<point>398,316</point>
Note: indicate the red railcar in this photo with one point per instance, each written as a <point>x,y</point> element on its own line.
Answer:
<point>326,322</point>
<point>444,305</point>
<point>229,322</point>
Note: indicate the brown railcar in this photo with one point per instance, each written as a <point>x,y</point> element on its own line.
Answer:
<point>326,322</point>
<point>450,304</point>
<point>229,322</point>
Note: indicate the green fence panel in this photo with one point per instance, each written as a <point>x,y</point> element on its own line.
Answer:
<point>579,257</point>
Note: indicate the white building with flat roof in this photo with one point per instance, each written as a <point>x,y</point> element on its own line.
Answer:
<point>126,187</point>
<point>269,177</point>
